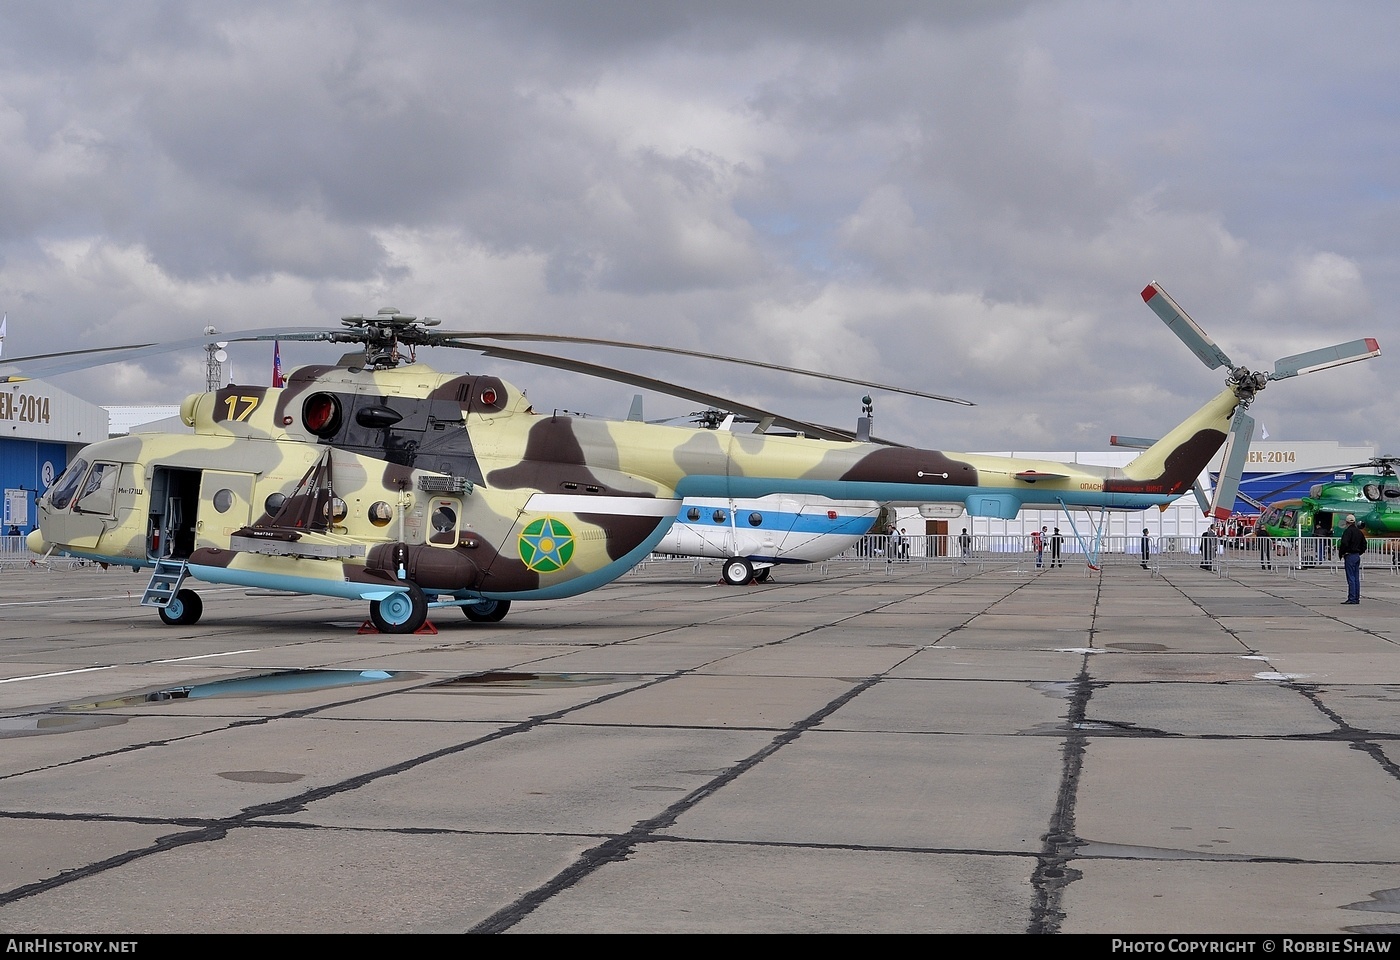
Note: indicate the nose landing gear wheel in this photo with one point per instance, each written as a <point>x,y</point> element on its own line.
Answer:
<point>737,571</point>
<point>488,611</point>
<point>183,609</point>
<point>400,612</point>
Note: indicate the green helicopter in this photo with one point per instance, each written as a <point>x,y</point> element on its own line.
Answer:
<point>1372,497</point>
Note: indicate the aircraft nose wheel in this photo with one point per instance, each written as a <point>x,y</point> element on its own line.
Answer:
<point>488,611</point>
<point>183,609</point>
<point>737,571</point>
<point>400,612</point>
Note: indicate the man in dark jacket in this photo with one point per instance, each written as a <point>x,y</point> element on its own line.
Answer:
<point>1351,548</point>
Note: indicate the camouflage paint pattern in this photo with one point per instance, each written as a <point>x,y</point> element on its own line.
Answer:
<point>355,482</point>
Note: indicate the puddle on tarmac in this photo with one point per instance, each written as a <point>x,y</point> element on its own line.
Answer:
<point>287,681</point>
<point>1124,851</point>
<point>1382,901</point>
<point>512,683</point>
<point>260,776</point>
<point>43,724</point>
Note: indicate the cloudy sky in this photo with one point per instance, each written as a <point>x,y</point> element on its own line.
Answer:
<point>962,197</point>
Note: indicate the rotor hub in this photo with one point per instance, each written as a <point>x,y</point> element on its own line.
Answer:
<point>384,332</point>
<point>1246,383</point>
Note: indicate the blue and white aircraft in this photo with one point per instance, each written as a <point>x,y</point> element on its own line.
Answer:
<point>752,536</point>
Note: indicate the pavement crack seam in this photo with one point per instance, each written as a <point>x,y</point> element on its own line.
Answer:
<point>1361,740</point>
<point>617,848</point>
<point>218,829</point>
<point>1052,871</point>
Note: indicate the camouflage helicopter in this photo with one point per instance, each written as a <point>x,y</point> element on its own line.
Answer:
<point>1373,497</point>
<point>389,482</point>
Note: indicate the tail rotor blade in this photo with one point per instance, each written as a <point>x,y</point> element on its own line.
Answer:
<point>1201,498</point>
<point>1184,327</point>
<point>1236,450</point>
<point>1333,356</point>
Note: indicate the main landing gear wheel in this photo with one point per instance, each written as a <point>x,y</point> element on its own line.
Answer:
<point>183,609</point>
<point>737,572</point>
<point>762,575</point>
<point>401,612</point>
<point>487,611</point>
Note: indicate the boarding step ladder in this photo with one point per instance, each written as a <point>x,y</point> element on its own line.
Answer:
<point>165,582</point>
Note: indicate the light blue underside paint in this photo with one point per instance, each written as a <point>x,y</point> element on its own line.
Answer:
<point>312,585</point>
<point>109,561</point>
<point>594,580</point>
<point>365,591</point>
<point>980,501</point>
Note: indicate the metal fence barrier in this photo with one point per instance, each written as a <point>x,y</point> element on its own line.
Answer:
<point>15,555</point>
<point>1016,553</point>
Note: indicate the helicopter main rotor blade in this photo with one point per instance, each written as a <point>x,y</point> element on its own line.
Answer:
<point>564,338</point>
<point>67,361</point>
<point>817,430</point>
<point>1184,327</point>
<point>1333,356</point>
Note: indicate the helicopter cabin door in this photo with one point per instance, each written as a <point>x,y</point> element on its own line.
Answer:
<point>170,526</point>
<point>225,505</point>
<point>1322,524</point>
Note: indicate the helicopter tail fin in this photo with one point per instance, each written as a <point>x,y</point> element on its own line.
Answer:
<point>1172,464</point>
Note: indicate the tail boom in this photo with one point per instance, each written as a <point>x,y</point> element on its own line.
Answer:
<point>1172,464</point>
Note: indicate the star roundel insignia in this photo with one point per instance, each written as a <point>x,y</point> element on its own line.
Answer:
<point>546,545</point>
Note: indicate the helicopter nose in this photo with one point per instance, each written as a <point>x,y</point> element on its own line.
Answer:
<point>35,541</point>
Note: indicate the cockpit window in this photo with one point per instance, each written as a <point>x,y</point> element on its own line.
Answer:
<point>67,485</point>
<point>99,489</point>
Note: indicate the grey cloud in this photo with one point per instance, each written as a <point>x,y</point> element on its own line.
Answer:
<point>963,194</point>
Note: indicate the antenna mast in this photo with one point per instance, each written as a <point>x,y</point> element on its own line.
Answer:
<point>215,355</point>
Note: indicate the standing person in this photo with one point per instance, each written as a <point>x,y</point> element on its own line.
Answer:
<point>1056,542</point>
<point>902,544</point>
<point>1266,547</point>
<point>1038,545</point>
<point>1351,548</point>
<point>965,543</point>
<point>1146,544</point>
<point>1208,547</point>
